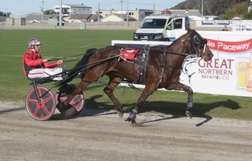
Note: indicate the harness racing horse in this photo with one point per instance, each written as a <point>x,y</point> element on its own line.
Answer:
<point>162,68</point>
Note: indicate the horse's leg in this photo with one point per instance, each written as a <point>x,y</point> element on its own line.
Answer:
<point>189,91</point>
<point>109,89</point>
<point>148,90</point>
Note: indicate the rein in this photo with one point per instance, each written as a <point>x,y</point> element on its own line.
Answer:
<point>98,61</point>
<point>58,58</point>
<point>82,66</point>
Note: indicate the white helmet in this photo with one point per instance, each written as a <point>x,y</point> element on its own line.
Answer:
<point>32,42</point>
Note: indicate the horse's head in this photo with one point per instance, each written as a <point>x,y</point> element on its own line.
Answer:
<point>198,45</point>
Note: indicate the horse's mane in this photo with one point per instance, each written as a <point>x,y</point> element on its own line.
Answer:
<point>178,39</point>
<point>86,57</point>
<point>159,47</point>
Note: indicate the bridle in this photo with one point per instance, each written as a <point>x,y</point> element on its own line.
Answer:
<point>198,44</point>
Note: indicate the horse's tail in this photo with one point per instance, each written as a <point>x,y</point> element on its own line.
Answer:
<point>79,67</point>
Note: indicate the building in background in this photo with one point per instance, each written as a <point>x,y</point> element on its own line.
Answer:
<point>82,13</point>
<point>117,17</point>
<point>69,10</point>
<point>136,15</point>
<point>37,18</point>
<point>2,18</point>
<point>192,14</point>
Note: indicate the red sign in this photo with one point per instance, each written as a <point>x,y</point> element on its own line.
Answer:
<point>228,46</point>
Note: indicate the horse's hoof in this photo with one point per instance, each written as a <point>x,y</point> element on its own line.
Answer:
<point>189,114</point>
<point>120,111</point>
<point>134,124</point>
<point>70,111</point>
<point>67,111</point>
<point>128,119</point>
<point>120,114</point>
<point>132,117</point>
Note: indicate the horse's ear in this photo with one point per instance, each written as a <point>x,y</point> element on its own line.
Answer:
<point>188,30</point>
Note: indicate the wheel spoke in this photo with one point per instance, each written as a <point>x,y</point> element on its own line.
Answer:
<point>42,96</point>
<point>76,100</point>
<point>33,101</point>
<point>37,109</point>
<point>45,100</point>
<point>45,109</point>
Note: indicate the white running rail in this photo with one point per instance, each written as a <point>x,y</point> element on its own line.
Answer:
<point>242,25</point>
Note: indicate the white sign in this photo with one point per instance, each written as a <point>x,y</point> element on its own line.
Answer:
<point>229,72</point>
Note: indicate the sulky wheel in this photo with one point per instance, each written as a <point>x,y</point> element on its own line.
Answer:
<point>75,105</point>
<point>41,108</point>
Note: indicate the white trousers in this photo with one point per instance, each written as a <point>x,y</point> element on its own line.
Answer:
<point>45,72</point>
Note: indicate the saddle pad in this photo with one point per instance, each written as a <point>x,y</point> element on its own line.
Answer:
<point>129,53</point>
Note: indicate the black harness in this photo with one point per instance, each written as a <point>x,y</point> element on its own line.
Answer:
<point>196,41</point>
<point>143,57</point>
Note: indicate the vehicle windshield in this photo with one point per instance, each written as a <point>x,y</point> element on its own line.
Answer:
<point>153,23</point>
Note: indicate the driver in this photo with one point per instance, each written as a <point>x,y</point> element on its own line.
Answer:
<point>34,66</point>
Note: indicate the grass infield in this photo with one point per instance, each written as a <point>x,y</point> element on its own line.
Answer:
<point>14,86</point>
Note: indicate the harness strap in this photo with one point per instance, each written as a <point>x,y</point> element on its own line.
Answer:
<point>164,55</point>
<point>162,65</point>
<point>142,67</point>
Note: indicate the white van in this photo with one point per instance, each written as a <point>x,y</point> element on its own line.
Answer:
<point>161,27</point>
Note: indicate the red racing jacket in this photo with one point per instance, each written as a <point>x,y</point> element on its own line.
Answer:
<point>33,60</point>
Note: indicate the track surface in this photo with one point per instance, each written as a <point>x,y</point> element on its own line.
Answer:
<point>102,136</point>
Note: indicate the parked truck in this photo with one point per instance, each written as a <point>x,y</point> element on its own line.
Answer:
<point>161,27</point>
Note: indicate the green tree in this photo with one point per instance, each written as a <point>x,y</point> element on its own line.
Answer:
<point>49,12</point>
<point>211,7</point>
<point>248,16</point>
<point>6,14</point>
<point>239,10</point>
<point>219,6</point>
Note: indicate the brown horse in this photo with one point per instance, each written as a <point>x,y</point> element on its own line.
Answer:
<point>159,67</point>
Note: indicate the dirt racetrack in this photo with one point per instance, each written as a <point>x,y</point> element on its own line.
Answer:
<point>102,136</point>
